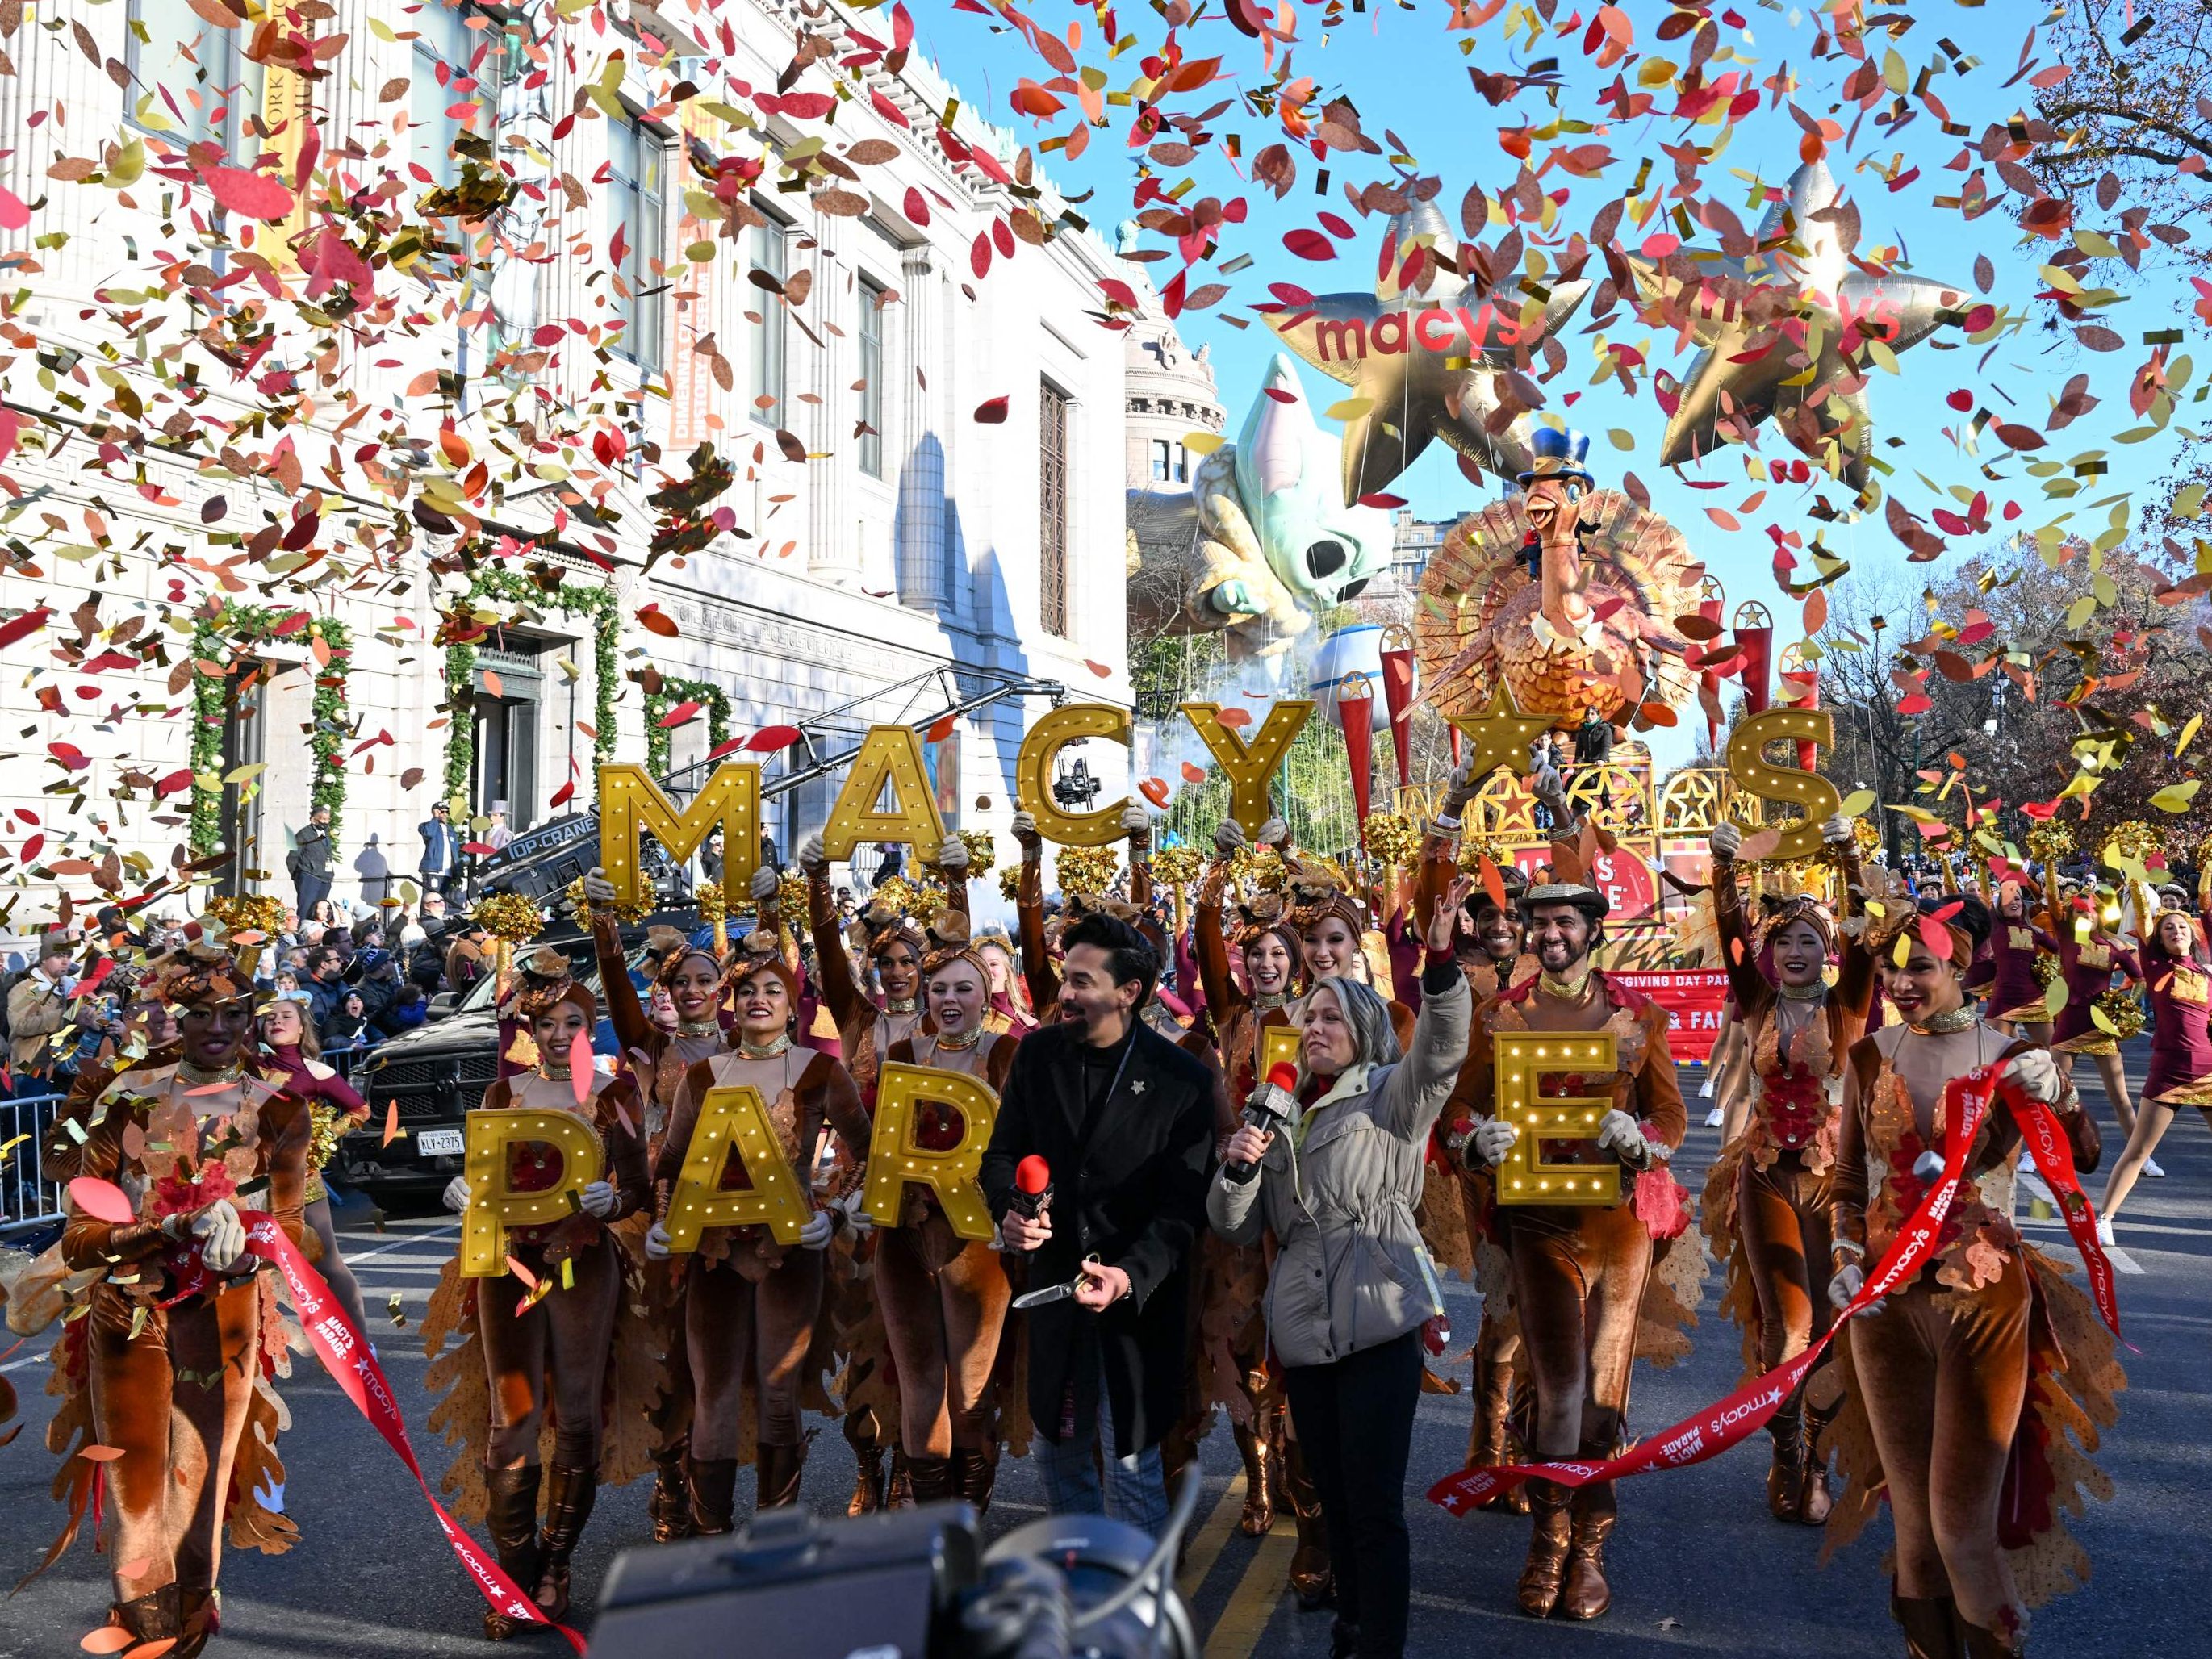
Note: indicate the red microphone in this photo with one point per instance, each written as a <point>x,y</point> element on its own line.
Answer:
<point>1267,1111</point>
<point>1032,1188</point>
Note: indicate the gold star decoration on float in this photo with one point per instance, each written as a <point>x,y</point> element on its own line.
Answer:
<point>1500,735</point>
<point>1791,332</point>
<point>1428,358</point>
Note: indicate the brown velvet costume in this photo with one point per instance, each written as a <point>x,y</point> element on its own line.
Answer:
<point>751,1306</point>
<point>945,1301</point>
<point>660,1058</point>
<point>1966,1391</point>
<point>866,1381</point>
<point>1768,1195</point>
<point>194,1453</point>
<point>1589,1284</point>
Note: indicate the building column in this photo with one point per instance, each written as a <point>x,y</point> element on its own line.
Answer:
<point>921,561</point>
<point>833,552</point>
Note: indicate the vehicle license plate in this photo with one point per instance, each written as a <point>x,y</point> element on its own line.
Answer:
<point>438,1143</point>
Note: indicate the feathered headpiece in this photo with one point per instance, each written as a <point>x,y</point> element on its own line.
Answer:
<point>1319,890</point>
<point>667,949</point>
<point>949,942</point>
<point>546,981</point>
<point>1964,917</point>
<point>1263,915</point>
<point>207,969</point>
<point>1801,906</point>
<point>883,925</point>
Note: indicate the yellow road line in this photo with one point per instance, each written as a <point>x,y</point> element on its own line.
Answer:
<point>1206,1547</point>
<point>1253,1603</point>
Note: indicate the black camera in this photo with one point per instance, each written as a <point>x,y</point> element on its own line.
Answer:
<point>906,1584</point>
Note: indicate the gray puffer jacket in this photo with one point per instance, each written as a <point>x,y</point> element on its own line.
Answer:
<point>1351,1272</point>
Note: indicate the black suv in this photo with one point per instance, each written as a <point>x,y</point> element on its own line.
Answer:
<point>437,1072</point>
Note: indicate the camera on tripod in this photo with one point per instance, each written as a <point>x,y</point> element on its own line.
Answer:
<point>907,1584</point>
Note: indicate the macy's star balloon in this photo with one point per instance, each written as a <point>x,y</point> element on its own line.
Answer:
<point>1426,361</point>
<point>1788,332</point>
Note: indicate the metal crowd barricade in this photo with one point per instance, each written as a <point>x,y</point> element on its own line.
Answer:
<point>27,1199</point>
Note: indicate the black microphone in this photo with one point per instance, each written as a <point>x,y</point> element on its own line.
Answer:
<point>1267,1111</point>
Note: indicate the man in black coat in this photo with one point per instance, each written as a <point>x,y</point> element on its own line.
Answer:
<point>1125,1119</point>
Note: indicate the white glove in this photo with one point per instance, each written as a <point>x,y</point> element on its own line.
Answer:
<point>2038,1073</point>
<point>1459,789</point>
<point>952,857</point>
<point>457,1193</point>
<point>856,1214</point>
<point>1024,827</point>
<point>1836,831</point>
<point>1229,838</point>
<point>1848,1280</point>
<point>597,1199</point>
<point>1135,821</point>
<point>815,1234</point>
<point>1493,1138</point>
<point>1728,840</point>
<point>763,884</point>
<point>221,1236</point>
<point>1274,833</point>
<point>813,859</point>
<point>1623,1136</point>
<point>597,888</point>
<point>656,1243</point>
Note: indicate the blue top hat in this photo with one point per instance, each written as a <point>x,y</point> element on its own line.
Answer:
<point>1558,454</point>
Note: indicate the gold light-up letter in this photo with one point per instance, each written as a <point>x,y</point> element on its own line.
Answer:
<point>1522,1059</point>
<point>1250,766</point>
<point>494,1206</point>
<point>630,804</point>
<point>734,1117</point>
<point>895,1158</point>
<point>889,755</point>
<point>1808,791</point>
<point>1040,745</point>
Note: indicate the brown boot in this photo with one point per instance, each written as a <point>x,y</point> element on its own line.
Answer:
<point>868,1483</point>
<point>930,1479</point>
<point>569,1492</point>
<point>1931,1625</point>
<point>1312,1580</point>
<point>671,1504</point>
<point>152,1617</point>
<point>777,1469</point>
<point>1550,1533</point>
<point>1489,1441</point>
<point>898,1491</point>
<point>1585,1594</point>
<point>1981,1643</point>
<point>1812,1508</point>
<point>511,1518</point>
<point>975,1472</point>
<point>1785,1476</point>
<point>198,1619</point>
<point>713,1483</point>
<point>1259,1503</point>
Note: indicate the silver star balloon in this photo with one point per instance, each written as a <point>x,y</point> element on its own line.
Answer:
<point>1774,329</point>
<point>1423,362</point>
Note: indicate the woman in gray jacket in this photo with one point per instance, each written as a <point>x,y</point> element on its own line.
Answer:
<point>1351,1285</point>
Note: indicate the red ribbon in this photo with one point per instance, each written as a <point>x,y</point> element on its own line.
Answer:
<point>2054,1157</point>
<point>1708,1434</point>
<point>344,1353</point>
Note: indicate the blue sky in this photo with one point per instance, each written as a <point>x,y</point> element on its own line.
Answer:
<point>1404,72</point>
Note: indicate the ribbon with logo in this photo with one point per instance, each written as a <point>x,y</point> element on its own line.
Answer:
<point>344,1352</point>
<point>1708,1434</point>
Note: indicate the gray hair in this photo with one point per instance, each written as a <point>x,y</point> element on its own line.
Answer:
<point>1374,1039</point>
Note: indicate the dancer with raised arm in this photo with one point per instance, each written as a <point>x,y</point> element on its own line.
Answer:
<point>2177,972</point>
<point>1977,1378</point>
<point>537,1343</point>
<point>1768,1196</point>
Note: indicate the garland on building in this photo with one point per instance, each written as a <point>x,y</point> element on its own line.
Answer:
<point>660,740</point>
<point>511,587</point>
<point>219,639</point>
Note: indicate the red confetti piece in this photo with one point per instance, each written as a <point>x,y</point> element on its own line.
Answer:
<point>992,411</point>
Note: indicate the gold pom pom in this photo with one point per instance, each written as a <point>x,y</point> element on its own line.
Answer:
<point>1085,869</point>
<point>1176,866</point>
<point>983,851</point>
<point>2046,969</point>
<point>714,904</point>
<point>1269,874</point>
<point>2049,842</point>
<point>508,917</point>
<point>2123,1010</point>
<point>1010,883</point>
<point>1394,837</point>
<point>627,914</point>
<point>249,913</point>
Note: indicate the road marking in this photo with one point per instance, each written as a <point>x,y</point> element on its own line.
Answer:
<point>1253,1603</point>
<point>1206,1547</point>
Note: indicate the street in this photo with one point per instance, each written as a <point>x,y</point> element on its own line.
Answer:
<point>1697,1565</point>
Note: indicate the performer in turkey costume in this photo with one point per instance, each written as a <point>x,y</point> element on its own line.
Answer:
<point>753,1305</point>
<point>944,1297</point>
<point>1972,1385</point>
<point>1232,1346</point>
<point>534,1353</point>
<point>1591,1287</point>
<point>1768,1196</point>
<point>169,1362</point>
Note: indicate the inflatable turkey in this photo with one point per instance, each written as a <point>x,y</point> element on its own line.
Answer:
<point>1564,623</point>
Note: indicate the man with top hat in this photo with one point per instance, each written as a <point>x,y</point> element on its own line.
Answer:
<point>1584,1278</point>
